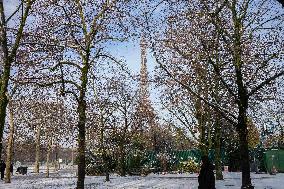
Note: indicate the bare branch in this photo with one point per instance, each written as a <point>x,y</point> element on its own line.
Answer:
<point>13,14</point>
<point>72,93</point>
<point>223,112</point>
<point>218,73</point>
<point>20,30</point>
<point>265,82</point>
<point>70,63</point>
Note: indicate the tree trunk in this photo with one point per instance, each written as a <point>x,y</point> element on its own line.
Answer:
<point>218,131</point>
<point>218,163</point>
<point>36,168</point>
<point>242,128</point>
<point>106,158</point>
<point>47,157</point>
<point>122,164</point>
<point>3,105</point>
<point>202,146</point>
<point>122,160</point>
<point>72,156</point>
<point>56,163</point>
<point>107,162</point>
<point>242,121</point>
<point>243,133</point>
<point>7,61</point>
<point>242,99</point>
<point>107,176</point>
<point>10,146</point>
<point>81,144</point>
<point>201,127</point>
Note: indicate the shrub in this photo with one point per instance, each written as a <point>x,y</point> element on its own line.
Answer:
<point>188,166</point>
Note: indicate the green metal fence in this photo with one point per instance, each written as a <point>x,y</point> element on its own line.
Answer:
<point>268,158</point>
<point>274,158</point>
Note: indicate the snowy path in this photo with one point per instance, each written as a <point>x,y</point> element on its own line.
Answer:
<point>64,180</point>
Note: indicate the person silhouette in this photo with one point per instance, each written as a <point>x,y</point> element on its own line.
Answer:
<point>206,178</point>
<point>2,169</point>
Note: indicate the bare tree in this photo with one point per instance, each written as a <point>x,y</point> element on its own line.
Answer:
<point>235,42</point>
<point>11,30</point>
<point>82,29</point>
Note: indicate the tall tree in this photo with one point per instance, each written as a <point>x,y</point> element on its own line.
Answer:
<point>81,31</point>
<point>11,30</point>
<point>234,39</point>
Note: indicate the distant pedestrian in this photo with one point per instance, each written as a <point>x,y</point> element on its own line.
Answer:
<point>206,178</point>
<point>2,169</point>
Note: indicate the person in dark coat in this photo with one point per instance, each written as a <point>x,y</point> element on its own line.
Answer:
<point>2,169</point>
<point>206,178</point>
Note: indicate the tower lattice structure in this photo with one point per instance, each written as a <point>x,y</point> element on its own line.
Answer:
<point>147,117</point>
<point>145,108</point>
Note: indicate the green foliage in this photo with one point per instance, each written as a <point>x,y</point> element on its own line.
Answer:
<point>97,163</point>
<point>190,166</point>
<point>136,164</point>
<point>253,134</point>
<point>95,170</point>
<point>135,161</point>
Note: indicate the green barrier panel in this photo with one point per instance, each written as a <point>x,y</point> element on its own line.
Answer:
<point>274,158</point>
<point>151,158</point>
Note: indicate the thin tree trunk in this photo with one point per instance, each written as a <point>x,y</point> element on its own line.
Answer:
<point>36,167</point>
<point>7,60</point>
<point>106,159</point>
<point>81,144</point>
<point>123,141</point>
<point>106,165</point>
<point>218,131</point>
<point>48,157</point>
<point>3,105</point>
<point>56,164</point>
<point>107,175</point>
<point>218,163</point>
<point>201,127</point>
<point>122,161</point>
<point>10,146</point>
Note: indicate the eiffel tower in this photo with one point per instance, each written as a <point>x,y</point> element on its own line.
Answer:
<point>147,117</point>
<point>145,108</point>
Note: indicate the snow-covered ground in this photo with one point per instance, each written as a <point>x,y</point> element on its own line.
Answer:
<point>65,179</point>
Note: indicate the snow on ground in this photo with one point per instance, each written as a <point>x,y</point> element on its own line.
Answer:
<point>65,179</point>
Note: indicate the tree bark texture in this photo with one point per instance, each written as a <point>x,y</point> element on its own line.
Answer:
<point>218,162</point>
<point>10,146</point>
<point>81,144</point>
<point>36,167</point>
<point>122,160</point>
<point>244,151</point>
<point>48,157</point>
